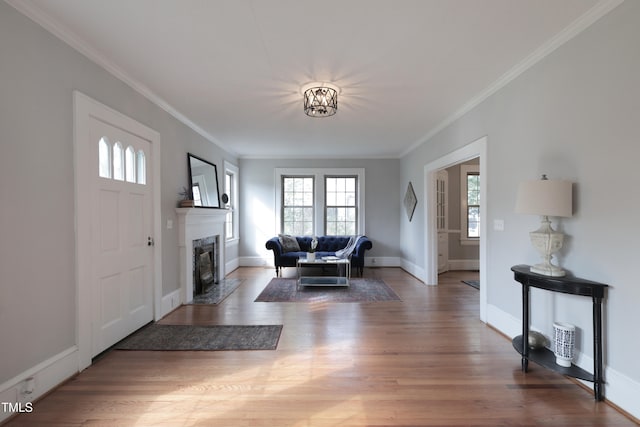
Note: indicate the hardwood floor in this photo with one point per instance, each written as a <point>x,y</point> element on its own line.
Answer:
<point>425,361</point>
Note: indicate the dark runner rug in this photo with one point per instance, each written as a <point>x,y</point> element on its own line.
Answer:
<point>360,290</point>
<point>212,338</point>
<point>472,283</point>
<point>217,292</point>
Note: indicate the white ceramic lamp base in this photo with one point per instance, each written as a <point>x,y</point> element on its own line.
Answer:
<point>547,241</point>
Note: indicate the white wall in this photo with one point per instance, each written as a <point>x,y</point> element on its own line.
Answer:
<point>259,205</point>
<point>574,115</point>
<point>38,73</point>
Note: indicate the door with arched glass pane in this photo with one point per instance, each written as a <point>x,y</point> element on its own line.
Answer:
<point>121,230</point>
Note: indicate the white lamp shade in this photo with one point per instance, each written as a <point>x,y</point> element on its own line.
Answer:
<point>545,198</point>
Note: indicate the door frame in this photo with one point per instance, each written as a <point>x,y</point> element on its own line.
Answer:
<point>84,109</point>
<point>477,148</point>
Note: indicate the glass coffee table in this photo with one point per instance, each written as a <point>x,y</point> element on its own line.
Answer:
<point>341,278</point>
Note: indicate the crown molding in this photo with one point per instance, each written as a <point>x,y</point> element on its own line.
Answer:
<point>575,28</point>
<point>30,10</point>
<point>59,30</point>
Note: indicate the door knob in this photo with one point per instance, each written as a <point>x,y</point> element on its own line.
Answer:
<point>150,241</point>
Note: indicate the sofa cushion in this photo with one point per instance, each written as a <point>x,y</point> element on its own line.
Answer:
<point>289,243</point>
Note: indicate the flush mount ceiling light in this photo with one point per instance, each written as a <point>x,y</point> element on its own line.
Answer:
<point>320,99</point>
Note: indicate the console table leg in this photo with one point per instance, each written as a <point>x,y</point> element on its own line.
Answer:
<point>525,327</point>
<point>597,348</point>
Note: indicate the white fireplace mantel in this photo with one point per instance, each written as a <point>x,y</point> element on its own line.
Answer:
<point>194,224</point>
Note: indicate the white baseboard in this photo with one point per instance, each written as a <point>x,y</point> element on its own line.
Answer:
<point>619,389</point>
<point>43,378</point>
<point>170,302</point>
<point>503,321</point>
<point>414,270</point>
<point>622,391</point>
<point>231,265</point>
<point>382,261</point>
<point>464,264</point>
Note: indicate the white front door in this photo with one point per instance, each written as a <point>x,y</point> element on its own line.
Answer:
<point>121,231</point>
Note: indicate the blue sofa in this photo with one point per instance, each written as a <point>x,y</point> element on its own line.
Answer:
<point>327,246</point>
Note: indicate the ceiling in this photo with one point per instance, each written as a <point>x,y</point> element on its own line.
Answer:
<point>233,69</point>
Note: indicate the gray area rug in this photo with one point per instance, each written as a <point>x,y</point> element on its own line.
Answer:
<point>360,290</point>
<point>472,283</point>
<point>217,292</point>
<point>212,338</point>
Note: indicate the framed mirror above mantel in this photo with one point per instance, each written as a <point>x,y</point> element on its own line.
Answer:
<point>203,182</point>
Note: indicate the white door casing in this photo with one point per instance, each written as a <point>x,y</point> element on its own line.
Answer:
<point>476,148</point>
<point>117,274</point>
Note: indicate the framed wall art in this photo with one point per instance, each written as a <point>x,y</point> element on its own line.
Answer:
<point>410,201</point>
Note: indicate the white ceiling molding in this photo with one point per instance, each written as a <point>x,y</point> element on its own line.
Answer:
<point>578,26</point>
<point>66,35</point>
<point>236,83</point>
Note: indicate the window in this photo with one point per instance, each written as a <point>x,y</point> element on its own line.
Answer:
<point>341,216</point>
<point>141,167</point>
<point>104,158</point>
<point>119,164</point>
<point>320,201</point>
<point>470,203</point>
<point>228,182</point>
<point>231,190</point>
<point>297,205</point>
<point>130,164</point>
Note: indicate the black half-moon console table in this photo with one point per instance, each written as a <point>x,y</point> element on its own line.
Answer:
<point>545,357</point>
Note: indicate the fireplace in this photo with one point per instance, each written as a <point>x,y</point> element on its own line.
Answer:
<point>196,224</point>
<point>205,264</point>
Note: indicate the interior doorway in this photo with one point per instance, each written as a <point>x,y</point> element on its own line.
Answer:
<point>476,149</point>
<point>458,216</point>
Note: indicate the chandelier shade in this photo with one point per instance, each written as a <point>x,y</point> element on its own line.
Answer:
<point>320,101</point>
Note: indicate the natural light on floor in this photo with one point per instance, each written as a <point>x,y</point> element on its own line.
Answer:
<point>270,396</point>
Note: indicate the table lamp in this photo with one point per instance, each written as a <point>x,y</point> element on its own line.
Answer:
<point>546,198</point>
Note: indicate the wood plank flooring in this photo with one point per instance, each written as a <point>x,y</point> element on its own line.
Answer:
<point>425,361</point>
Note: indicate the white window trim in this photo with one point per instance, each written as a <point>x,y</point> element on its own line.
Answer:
<point>235,209</point>
<point>464,240</point>
<point>318,193</point>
